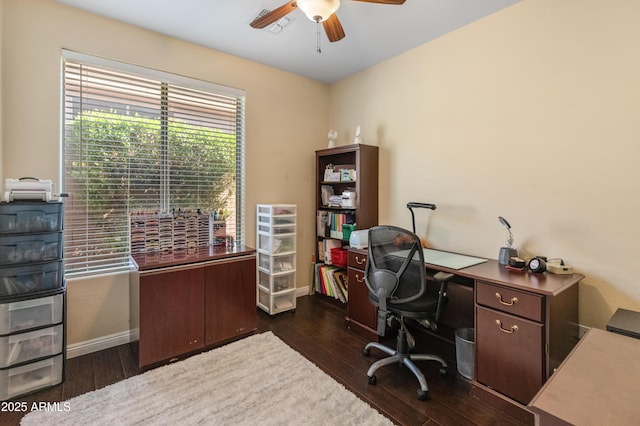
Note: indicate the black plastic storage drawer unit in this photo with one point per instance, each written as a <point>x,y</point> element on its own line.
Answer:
<point>32,297</point>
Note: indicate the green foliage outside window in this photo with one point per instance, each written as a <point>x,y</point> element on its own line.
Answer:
<point>122,161</point>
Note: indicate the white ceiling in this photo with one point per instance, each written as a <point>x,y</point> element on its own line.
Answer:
<point>374,32</point>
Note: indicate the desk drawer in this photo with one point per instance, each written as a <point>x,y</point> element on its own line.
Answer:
<point>356,260</point>
<point>509,354</point>
<point>515,302</point>
<point>359,308</point>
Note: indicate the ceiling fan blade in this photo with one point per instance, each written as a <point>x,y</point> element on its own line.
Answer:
<point>274,15</point>
<point>398,2</point>
<point>333,28</point>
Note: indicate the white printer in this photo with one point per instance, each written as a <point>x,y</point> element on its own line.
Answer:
<point>27,188</point>
<point>359,239</point>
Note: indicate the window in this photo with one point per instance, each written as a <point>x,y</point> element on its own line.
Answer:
<point>141,140</point>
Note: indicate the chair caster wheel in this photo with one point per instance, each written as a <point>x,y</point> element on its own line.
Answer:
<point>423,395</point>
<point>373,380</point>
<point>366,352</point>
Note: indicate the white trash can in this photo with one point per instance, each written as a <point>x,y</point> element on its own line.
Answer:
<point>465,345</point>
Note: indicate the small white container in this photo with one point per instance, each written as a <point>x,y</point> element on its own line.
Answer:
<point>26,378</point>
<point>32,313</point>
<point>276,303</point>
<point>277,282</point>
<point>276,263</point>
<point>277,245</point>
<point>349,199</point>
<point>23,347</point>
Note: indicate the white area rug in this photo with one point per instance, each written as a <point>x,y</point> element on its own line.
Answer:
<point>258,380</point>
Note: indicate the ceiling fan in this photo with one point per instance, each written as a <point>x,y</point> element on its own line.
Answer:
<point>318,11</point>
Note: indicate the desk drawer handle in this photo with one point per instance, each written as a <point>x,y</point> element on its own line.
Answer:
<point>360,261</point>
<point>360,278</point>
<point>513,329</point>
<point>513,301</point>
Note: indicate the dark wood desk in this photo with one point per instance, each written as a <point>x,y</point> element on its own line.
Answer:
<point>525,324</point>
<point>187,301</point>
<point>597,384</point>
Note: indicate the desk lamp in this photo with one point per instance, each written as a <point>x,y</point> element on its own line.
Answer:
<point>411,205</point>
<point>506,252</point>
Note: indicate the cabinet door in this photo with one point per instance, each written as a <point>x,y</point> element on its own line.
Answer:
<point>230,297</point>
<point>359,308</point>
<point>509,354</point>
<point>171,314</point>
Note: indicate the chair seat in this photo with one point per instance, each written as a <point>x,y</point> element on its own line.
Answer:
<point>418,309</point>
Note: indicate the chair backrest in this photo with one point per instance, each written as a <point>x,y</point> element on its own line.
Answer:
<point>395,269</point>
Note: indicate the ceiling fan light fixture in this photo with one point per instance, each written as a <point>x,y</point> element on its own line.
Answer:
<point>318,10</point>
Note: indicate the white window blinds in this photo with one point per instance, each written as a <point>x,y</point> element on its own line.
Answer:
<point>143,140</point>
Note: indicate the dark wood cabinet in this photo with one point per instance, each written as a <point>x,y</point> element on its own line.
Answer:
<point>171,314</point>
<point>525,326</point>
<point>230,302</point>
<point>181,304</point>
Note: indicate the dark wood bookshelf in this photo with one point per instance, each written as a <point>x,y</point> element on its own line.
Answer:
<point>364,159</point>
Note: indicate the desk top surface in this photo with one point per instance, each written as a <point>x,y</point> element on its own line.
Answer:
<point>150,261</point>
<point>544,283</point>
<point>491,271</point>
<point>598,383</point>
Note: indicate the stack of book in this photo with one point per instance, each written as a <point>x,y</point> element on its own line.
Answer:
<point>332,281</point>
<point>329,224</point>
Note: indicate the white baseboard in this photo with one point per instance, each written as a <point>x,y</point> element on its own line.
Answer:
<point>100,343</point>
<point>302,291</point>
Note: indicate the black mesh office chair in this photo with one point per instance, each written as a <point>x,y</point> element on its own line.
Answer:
<point>396,278</point>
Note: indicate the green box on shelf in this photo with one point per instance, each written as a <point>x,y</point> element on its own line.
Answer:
<point>347,229</point>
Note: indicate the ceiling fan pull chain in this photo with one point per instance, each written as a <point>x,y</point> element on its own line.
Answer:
<point>319,50</point>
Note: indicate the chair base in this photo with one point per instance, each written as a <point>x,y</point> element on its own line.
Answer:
<point>402,356</point>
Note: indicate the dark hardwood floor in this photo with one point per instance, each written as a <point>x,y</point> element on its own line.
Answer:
<point>317,330</point>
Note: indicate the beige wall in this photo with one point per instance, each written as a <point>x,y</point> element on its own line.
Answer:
<point>532,114</point>
<point>281,137</point>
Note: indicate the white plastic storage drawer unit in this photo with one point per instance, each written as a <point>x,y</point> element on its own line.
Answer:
<point>276,241</point>
<point>23,347</point>
<point>31,313</point>
<point>26,378</point>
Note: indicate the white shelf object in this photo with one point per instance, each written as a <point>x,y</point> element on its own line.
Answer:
<point>276,270</point>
